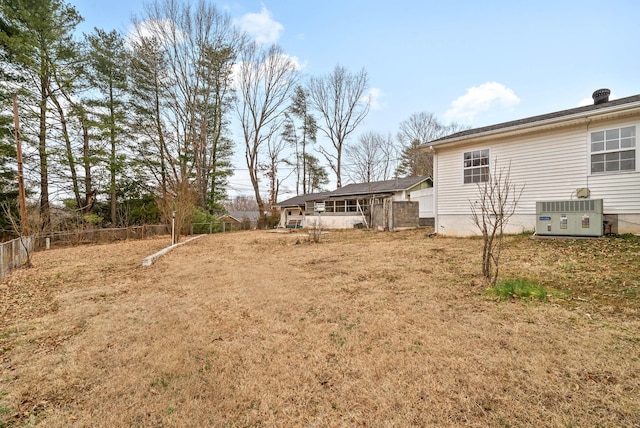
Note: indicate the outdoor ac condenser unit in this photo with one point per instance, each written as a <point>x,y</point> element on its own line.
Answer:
<point>575,217</point>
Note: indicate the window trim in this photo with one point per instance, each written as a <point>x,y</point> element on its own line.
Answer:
<point>618,150</point>
<point>466,168</point>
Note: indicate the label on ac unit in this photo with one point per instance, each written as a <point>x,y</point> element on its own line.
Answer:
<point>564,222</point>
<point>545,217</point>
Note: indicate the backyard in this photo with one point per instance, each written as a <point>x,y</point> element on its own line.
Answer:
<point>362,329</point>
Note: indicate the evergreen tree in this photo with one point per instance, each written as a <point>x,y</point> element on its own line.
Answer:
<point>317,176</point>
<point>8,183</point>
<point>108,61</point>
<point>35,44</point>
<point>302,136</point>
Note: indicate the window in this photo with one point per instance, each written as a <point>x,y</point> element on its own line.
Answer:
<point>613,150</point>
<point>328,206</point>
<point>476,166</point>
<point>340,206</point>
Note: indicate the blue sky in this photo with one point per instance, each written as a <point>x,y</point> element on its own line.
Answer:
<point>472,62</point>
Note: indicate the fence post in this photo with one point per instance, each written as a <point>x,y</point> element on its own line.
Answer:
<point>2,267</point>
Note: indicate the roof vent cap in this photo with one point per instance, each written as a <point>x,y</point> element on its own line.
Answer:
<point>601,96</point>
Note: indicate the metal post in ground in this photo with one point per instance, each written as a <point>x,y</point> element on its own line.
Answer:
<point>173,228</point>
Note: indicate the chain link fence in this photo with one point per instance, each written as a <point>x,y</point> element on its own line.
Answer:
<point>13,254</point>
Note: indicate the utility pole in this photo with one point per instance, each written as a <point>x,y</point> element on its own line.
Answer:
<point>20,177</point>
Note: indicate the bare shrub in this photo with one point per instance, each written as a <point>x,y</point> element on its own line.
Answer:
<point>180,201</point>
<point>497,200</point>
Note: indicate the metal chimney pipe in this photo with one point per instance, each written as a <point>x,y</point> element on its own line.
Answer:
<point>601,96</point>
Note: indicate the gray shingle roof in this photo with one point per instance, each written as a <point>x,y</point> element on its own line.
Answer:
<point>533,119</point>
<point>240,215</point>
<point>299,200</point>
<point>357,189</point>
<point>395,185</point>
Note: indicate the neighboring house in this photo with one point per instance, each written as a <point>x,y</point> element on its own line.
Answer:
<point>229,223</point>
<point>388,205</point>
<point>585,152</point>
<point>234,219</point>
<point>252,216</point>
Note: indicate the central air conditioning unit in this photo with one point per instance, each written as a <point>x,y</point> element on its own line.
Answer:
<point>575,217</point>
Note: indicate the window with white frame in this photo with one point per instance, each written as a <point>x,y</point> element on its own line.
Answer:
<point>340,206</point>
<point>613,150</point>
<point>476,166</point>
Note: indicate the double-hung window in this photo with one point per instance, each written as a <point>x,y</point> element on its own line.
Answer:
<point>476,166</point>
<point>613,150</point>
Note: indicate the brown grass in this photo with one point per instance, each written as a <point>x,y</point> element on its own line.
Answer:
<point>363,329</point>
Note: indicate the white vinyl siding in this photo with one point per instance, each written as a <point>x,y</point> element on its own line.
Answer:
<point>529,166</point>
<point>550,165</point>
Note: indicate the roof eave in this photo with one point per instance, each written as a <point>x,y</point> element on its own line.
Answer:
<point>541,125</point>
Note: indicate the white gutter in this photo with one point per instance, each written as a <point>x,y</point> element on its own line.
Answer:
<point>567,120</point>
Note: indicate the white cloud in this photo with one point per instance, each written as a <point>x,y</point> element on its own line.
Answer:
<point>589,101</point>
<point>261,26</point>
<point>480,99</point>
<point>295,61</point>
<point>374,96</point>
<point>163,30</point>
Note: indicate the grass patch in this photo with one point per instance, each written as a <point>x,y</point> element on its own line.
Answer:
<point>518,288</point>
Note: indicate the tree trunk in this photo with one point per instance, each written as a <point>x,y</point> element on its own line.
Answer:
<point>112,158</point>
<point>45,213</point>
<point>86,154</point>
<point>69,152</point>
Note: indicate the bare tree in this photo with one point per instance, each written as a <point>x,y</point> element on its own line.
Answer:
<point>275,146</point>
<point>371,159</point>
<point>241,203</point>
<point>497,200</point>
<point>419,129</point>
<point>265,79</point>
<point>185,54</point>
<point>340,99</point>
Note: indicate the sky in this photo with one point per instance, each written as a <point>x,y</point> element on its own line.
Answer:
<point>475,63</point>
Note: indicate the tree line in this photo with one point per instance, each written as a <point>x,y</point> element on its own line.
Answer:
<point>135,128</point>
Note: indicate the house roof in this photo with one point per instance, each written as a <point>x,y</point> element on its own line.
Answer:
<point>299,200</point>
<point>228,217</point>
<point>387,186</point>
<point>356,189</point>
<point>543,119</point>
<point>239,215</point>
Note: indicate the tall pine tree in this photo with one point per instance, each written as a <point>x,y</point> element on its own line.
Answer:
<point>34,44</point>
<point>108,60</point>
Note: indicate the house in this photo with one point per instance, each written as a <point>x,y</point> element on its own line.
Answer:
<point>585,152</point>
<point>387,205</point>
<point>247,216</point>
<point>229,223</point>
<point>237,220</point>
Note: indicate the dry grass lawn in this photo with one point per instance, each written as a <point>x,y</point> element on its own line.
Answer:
<point>364,329</point>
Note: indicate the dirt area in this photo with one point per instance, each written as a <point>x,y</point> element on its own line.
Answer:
<point>362,329</point>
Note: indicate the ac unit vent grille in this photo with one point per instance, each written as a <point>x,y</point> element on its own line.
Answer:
<point>579,205</point>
